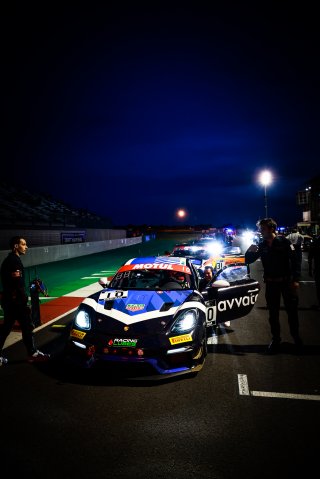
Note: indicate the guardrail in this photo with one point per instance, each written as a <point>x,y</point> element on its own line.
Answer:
<point>47,254</point>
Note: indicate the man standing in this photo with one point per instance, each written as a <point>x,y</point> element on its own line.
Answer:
<point>314,265</point>
<point>207,278</point>
<point>296,239</point>
<point>14,301</point>
<point>281,277</point>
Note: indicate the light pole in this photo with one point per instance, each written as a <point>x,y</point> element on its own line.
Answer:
<point>265,180</point>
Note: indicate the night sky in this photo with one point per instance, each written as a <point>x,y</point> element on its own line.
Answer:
<point>135,111</point>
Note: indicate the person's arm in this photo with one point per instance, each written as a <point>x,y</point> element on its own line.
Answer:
<point>252,254</point>
<point>18,288</point>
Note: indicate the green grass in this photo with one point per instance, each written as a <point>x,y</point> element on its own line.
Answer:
<point>62,277</point>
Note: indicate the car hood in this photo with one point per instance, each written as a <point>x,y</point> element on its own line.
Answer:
<point>131,307</point>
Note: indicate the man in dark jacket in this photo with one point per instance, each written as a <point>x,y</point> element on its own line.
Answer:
<point>281,277</point>
<point>314,265</point>
<point>14,301</point>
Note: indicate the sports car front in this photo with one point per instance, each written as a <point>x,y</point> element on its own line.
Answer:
<point>136,320</point>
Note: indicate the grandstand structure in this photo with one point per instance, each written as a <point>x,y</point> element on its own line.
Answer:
<point>45,220</point>
<point>21,207</point>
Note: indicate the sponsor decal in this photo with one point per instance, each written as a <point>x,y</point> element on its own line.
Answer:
<point>123,342</point>
<point>77,334</point>
<point>184,338</point>
<point>159,266</point>
<point>237,302</point>
<point>135,307</point>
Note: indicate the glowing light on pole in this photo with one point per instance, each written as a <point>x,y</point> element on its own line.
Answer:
<point>181,214</point>
<point>265,180</point>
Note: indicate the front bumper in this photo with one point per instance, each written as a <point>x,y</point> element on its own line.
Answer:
<point>162,360</point>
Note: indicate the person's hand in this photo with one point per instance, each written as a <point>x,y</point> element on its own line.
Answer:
<point>295,284</point>
<point>252,248</point>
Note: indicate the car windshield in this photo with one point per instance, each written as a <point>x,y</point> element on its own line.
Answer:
<point>151,279</point>
<point>233,273</point>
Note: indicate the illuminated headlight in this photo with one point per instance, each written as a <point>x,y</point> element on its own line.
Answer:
<point>82,320</point>
<point>186,321</point>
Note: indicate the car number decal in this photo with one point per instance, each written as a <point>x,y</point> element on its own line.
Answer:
<point>212,313</point>
<point>111,295</point>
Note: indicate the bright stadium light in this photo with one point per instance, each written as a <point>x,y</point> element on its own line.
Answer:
<point>265,179</point>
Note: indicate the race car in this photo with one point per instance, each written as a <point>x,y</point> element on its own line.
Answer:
<point>152,313</point>
<point>218,262</point>
<point>217,255</point>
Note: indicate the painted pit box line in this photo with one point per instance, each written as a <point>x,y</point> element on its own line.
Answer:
<point>245,391</point>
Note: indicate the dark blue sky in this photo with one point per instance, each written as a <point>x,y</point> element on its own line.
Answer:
<point>133,112</point>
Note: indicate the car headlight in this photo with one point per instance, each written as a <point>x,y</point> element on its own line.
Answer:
<point>186,321</point>
<point>82,319</point>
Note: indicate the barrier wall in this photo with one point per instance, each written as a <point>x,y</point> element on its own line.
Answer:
<point>51,237</point>
<point>47,254</point>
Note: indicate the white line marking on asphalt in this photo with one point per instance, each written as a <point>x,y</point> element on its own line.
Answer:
<point>106,271</point>
<point>245,391</point>
<point>243,385</point>
<point>309,397</point>
<point>212,339</point>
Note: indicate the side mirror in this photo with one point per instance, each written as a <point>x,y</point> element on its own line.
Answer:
<point>221,283</point>
<point>104,282</point>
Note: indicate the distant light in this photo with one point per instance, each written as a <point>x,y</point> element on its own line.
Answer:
<point>181,213</point>
<point>265,178</point>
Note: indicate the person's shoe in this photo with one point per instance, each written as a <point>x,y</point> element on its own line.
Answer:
<point>3,361</point>
<point>38,357</point>
<point>274,346</point>
<point>227,324</point>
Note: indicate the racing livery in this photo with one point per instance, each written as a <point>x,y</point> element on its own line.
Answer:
<point>152,313</point>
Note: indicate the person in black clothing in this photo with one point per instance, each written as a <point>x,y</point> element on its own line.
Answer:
<point>207,278</point>
<point>296,239</point>
<point>14,301</point>
<point>281,277</point>
<point>314,266</point>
